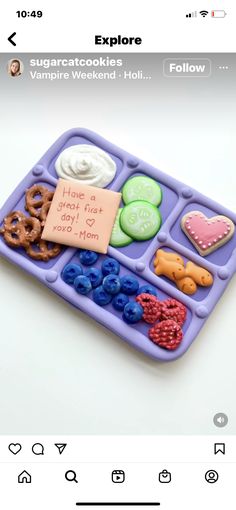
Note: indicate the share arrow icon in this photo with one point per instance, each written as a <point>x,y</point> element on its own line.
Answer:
<point>61,447</point>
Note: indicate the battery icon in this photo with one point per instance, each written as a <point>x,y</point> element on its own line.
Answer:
<point>218,14</point>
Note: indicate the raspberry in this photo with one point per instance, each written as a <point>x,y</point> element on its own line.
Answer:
<point>173,309</point>
<point>151,307</point>
<point>167,334</point>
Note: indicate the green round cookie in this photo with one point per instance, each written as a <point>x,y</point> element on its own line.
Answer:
<point>118,237</point>
<point>140,220</point>
<point>142,188</point>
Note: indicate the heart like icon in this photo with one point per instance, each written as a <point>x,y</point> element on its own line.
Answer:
<point>90,222</point>
<point>14,448</point>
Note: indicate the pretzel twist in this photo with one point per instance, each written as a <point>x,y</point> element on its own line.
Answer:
<point>20,230</point>
<point>24,231</point>
<point>43,250</point>
<point>36,197</point>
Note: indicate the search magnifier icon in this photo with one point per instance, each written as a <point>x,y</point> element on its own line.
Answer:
<point>70,476</point>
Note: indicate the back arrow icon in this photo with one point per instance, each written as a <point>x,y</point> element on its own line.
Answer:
<point>11,37</point>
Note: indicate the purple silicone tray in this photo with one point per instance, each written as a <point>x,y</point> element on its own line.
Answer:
<point>137,257</point>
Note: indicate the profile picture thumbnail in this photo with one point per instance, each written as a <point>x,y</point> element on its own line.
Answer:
<point>15,67</point>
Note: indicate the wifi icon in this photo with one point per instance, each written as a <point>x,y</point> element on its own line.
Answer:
<point>203,13</point>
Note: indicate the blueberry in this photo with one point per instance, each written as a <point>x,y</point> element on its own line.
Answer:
<point>87,257</point>
<point>95,275</point>
<point>82,284</point>
<point>70,271</point>
<point>132,312</point>
<point>147,289</point>
<point>101,297</point>
<point>109,266</point>
<point>129,284</point>
<point>119,301</point>
<point>111,284</point>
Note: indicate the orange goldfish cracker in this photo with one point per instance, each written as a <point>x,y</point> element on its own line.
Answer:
<point>186,278</point>
<point>200,275</point>
<point>175,257</point>
<point>187,285</point>
<point>170,269</point>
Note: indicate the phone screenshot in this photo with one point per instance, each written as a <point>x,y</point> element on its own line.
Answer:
<point>118,255</point>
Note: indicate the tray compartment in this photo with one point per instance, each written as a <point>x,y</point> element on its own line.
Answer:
<point>18,204</point>
<point>201,293</point>
<point>50,158</point>
<point>137,248</point>
<point>219,257</point>
<point>85,302</point>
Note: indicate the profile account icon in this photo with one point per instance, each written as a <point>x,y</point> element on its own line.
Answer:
<point>211,476</point>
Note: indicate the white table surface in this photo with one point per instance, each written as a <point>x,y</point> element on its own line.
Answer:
<point>60,372</point>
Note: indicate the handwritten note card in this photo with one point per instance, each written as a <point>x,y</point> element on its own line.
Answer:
<point>81,216</point>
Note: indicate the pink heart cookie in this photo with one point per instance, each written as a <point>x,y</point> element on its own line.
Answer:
<point>207,234</point>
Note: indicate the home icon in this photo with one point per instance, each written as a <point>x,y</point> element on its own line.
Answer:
<point>24,477</point>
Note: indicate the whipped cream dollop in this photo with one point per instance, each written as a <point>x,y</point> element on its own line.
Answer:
<point>86,164</point>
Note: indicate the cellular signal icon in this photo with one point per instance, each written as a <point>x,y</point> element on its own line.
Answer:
<point>191,14</point>
<point>203,13</point>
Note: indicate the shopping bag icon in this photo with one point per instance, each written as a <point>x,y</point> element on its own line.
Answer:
<point>164,476</point>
